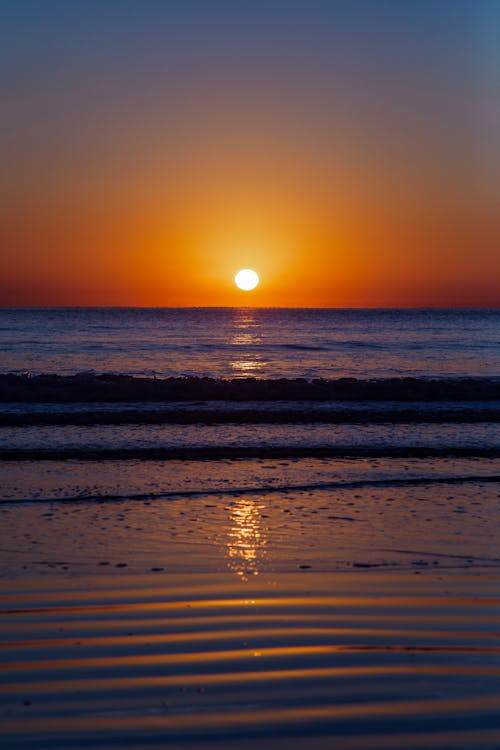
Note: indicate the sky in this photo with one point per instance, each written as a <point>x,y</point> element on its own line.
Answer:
<point>347,150</point>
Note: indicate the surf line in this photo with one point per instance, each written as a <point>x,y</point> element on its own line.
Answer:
<point>210,452</point>
<point>263,489</point>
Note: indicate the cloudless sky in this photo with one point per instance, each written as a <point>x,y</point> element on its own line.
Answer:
<point>348,150</point>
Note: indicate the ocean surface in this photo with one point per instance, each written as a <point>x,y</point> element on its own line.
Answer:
<point>240,527</point>
<point>248,342</point>
<point>228,383</point>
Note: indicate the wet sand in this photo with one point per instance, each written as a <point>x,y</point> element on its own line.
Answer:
<point>345,660</point>
<point>318,602</point>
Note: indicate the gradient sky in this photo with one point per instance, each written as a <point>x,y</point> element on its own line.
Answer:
<point>348,150</point>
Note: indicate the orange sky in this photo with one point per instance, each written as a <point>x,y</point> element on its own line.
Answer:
<point>328,155</point>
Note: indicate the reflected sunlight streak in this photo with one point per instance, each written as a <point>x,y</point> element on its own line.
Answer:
<point>246,538</point>
<point>250,363</point>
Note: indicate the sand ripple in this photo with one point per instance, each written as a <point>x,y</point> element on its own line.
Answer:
<point>344,660</point>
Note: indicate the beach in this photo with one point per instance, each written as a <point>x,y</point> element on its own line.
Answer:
<point>356,660</point>
<point>232,603</point>
<point>194,560</point>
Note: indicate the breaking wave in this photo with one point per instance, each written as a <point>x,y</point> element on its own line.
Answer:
<point>92,387</point>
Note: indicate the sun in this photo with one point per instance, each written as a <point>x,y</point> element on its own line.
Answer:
<point>246,279</point>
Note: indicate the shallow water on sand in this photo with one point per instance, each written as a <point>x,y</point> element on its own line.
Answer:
<point>313,602</point>
<point>360,660</point>
<point>251,517</point>
<point>379,436</point>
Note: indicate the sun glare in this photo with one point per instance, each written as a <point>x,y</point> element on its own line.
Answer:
<point>246,279</point>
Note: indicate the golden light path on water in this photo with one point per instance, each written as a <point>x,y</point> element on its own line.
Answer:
<point>246,537</point>
<point>246,336</point>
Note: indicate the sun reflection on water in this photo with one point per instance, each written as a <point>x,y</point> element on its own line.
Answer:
<point>246,336</point>
<point>246,538</point>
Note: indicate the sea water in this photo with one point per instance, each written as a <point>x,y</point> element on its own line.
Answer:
<point>173,543</point>
<point>251,342</point>
<point>230,343</point>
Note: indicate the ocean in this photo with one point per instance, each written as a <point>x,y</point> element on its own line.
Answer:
<point>134,382</point>
<point>238,526</point>
<point>249,342</point>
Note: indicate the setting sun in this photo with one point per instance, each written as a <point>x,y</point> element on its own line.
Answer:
<point>246,279</point>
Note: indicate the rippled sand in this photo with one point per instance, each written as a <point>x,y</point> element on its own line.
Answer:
<point>336,660</point>
<point>316,603</point>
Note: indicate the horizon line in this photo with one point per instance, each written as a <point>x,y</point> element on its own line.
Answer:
<point>248,307</point>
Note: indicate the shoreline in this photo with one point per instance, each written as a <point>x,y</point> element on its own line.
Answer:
<point>248,518</point>
<point>202,453</point>
<point>315,602</point>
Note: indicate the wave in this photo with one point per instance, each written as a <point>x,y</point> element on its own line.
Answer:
<point>273,489</point>
<point>92,387</point>
<point>226,452</point>
<point>297,414</point>
<point>305,347</point>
